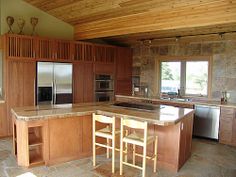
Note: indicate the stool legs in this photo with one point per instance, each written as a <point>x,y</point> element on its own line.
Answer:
<point>94,145</point>
<point>113,147</point>
<point>144,153</point>
<point>126,147</point>
<point>155,158</point>
<point>134,151</point>
<point>121,149</point>
<point>108,151</point>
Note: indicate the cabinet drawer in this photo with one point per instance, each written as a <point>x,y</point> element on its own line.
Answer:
<point>227,113</point>
<point>226,125</point>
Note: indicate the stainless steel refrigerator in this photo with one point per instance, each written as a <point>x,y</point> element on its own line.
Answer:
<point>54,83</point>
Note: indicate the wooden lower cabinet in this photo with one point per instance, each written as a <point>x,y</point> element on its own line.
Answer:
<point>227,130</point>
<point>3,121</point>
<point>52,141</point>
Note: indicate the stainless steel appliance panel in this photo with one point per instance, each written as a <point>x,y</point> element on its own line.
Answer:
<point>104,87</point>
<point>104,96</point>
<point>54,80</point>
<point>104,82</point>
<point>45,74</point>
<point>206,121</point>
<point>62,83</point>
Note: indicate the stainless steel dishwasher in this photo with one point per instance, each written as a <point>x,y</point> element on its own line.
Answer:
<point>206,121</point>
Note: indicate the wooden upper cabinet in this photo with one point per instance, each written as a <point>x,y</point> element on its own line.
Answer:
<point>45,48</point>
<point>88,82</point>
<point>63,50</point>
<point>83,82</point>
<point>124,63</point>
<point>123,71</point>
<point>104,54</point>
<point>20,47</point>
<point>83,52</point>
<point>42,48</point>
<point>78,83</point>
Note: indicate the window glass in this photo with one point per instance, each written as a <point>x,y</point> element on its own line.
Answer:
<point>196,77</point>
<point>170,76</point>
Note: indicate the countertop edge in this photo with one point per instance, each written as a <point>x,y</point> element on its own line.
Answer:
<point>89,112</point>
<point>203,102</point>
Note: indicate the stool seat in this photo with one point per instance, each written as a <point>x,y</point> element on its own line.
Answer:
<point>137,139</point>
<point>106,132</point>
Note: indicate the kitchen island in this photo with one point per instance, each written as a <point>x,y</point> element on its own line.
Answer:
<point>55,134</point>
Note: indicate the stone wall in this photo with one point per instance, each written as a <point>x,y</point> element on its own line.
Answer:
<point>223,69</point>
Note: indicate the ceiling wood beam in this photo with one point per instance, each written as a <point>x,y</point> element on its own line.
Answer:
<point>220,12</point>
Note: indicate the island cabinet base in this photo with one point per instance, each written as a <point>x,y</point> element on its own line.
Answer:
<point>174,144</point>
<point>52,141</point>
<point>56,140</point>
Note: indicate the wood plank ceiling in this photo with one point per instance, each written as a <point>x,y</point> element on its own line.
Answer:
<point>139,19</point>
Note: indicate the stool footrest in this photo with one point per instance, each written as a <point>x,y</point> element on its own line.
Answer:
<point>147,157</point>
<point>102,145</point>
<point>131,165</point>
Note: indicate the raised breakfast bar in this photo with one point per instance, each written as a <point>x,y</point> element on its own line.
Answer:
<point>54,134</point>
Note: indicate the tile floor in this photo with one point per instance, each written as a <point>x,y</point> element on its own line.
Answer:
<point>209,159</point>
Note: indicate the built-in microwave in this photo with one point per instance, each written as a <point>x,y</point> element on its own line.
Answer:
<point>104,87</point>
<point>104,82</point>
<point>104,96</point>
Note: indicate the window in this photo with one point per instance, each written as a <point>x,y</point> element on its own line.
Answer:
<point>189,76</point>
<point>170,77</point>
<point>196,77</point>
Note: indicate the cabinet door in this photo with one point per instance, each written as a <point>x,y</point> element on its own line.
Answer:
<point>78,83</point>
<point>124,87</point>
<point>87,135</point>
<point>104,68</point>
<point>124,64</point>
<point>15,89</point>
<point>63,50</point>
<point>46,49</point>
<point>88,82</point>
<point>183,131</point>
<point>226,125</point>
<point>29,75</point>
<point>64,138</point>
<point>20,86</point>
<point>3,120</point>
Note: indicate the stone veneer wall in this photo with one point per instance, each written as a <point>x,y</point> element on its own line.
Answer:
<point>223,69</point>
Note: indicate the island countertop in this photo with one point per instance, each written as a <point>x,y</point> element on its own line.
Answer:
<point>162,115</point>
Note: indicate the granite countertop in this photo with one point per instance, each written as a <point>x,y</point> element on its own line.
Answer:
<point>191,102</point>
<point>162,115</point>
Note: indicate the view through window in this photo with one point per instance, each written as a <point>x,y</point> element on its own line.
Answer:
<point>170,77</point>
<point>196,77</point>
<point>191,77</point>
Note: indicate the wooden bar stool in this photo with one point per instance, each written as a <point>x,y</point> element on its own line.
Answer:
<point>108,133</point>
<point>137,139</point>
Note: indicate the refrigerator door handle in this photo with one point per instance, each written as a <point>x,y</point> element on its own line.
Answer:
<point>52,93</point>
<point>55,92</point>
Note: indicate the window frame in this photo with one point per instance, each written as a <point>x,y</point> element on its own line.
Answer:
<point>183,60</point>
